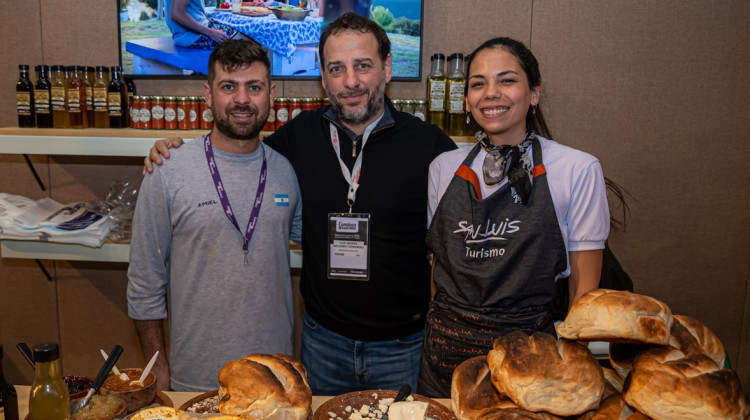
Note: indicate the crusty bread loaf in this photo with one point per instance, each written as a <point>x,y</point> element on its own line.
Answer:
<point>690,335</point>
<point>617,316</point>
<point>621,356</point>
<point>263,385</point>
<point>667,384</point>
<point>540,373</point>
<point>614,408</point>
<point>514,414</point>
<point>472,391</point>
<point>612,383</point>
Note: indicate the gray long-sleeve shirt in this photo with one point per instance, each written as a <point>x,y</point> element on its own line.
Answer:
<point>186,252</point>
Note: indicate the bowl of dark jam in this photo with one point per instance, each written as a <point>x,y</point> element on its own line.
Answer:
<point>78,386</point>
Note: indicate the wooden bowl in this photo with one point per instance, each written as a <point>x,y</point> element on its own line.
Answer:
<point>355,400</point>
<point>137,398</point>
<point>80,384</point>
<point>199,398</point>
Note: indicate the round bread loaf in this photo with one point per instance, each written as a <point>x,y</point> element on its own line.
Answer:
<point>540,373</point>
<point>612,383</point>
<point>617,316</point>
<point>690,335</point>
<point>667,384</point>
<point>614,408</point>
<point>263,385</point>
<point>621,356</point>
<point>514,414</point>
<point>472,391</point>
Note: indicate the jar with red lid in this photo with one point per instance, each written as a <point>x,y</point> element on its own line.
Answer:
<point>134,110</point>
<point>270,124</point>
<point>157,112</point>
<point>144,114</point>
<point>295,107</point>
<point>207,116</point>
<point>183,113</point>
<point>308,104</point>
<point>170,113</point>
<point>194,113</point>
<point>282,111</point>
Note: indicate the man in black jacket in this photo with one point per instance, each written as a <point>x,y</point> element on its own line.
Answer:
<point>363,328</point>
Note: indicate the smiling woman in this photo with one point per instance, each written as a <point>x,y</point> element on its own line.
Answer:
<point>508,216</point>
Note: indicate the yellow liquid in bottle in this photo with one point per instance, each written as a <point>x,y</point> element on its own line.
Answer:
<point>436,101</point>
<point>49,399</point>
<point>454,104</point>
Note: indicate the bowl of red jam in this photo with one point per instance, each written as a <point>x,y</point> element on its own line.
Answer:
<point>78,386</point>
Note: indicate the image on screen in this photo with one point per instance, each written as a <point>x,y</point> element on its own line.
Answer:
<point>154,45</point>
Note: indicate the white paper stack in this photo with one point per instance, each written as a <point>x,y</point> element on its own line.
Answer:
<point>47,220</point>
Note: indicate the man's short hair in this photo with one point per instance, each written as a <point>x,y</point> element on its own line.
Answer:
<point>234,54</point>
<point>351,21</point>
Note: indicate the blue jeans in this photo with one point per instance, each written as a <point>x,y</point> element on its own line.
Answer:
<point>337,365</point>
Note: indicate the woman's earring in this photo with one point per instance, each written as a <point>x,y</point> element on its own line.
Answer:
<point>533,109</point>
<point>468,117</point>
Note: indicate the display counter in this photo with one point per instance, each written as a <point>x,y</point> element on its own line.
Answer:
<point>178,398</point>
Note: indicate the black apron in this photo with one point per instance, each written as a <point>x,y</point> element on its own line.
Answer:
<point>495,271</point>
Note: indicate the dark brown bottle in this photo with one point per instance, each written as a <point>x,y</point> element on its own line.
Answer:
<point>25,98</point>
<point>76,100</point>
<point>8,397</point>
<point>130,84</point>
<point>42,106</point>
<point>116,93</point>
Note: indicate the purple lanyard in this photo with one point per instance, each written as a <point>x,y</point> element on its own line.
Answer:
<point>225,200</point>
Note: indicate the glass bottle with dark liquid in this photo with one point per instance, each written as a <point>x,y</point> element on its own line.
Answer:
<point>58,93</point>
<point>436,92</point>
<point>25,98</point>
<point>116,92</point>
<point>8,395</point>
<point>42,105</point>
<point>130,85</point>
<point>101,84</point>
<point>454,98</point>
<point>76,99</point>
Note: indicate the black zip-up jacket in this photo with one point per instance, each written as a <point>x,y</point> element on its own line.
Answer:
<point>393,190</point>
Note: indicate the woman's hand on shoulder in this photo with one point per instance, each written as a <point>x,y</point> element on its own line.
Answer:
<point>159,149</point>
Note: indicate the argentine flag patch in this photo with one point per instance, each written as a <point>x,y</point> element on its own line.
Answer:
<point>281,200</point>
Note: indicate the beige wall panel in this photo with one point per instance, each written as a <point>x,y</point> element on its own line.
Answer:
<point>29,313</point>
<point>94,315</point>
<point>17,178</point>
<point>22,44</point>
<point>88,178</point>
<point>653,89</point>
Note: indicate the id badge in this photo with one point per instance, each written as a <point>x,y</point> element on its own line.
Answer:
<point>349,246</point>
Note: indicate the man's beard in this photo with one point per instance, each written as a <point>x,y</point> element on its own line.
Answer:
<point>373,107</point>
<point>248,131</point>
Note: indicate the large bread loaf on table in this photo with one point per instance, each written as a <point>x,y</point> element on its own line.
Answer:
<point>667,384</point>
<point>514,414</point>
<point>617,316</point>
<point>540,373</point>
<point>472,391</point>
<point>265,386</point>
<point>690,335</point>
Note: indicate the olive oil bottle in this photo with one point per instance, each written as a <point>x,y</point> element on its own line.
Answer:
<point>101,113</point>
<point>454,98</point>
<point>436,92</point>
<point>87,77</point>
<point>58,95</point>
<point>42,105</point>
<point>76,99</point>
<point>48,399</point>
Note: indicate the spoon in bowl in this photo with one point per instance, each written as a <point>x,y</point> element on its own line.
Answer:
<point>122,375</point>
<point>77,405</point>
<point>146,371</point>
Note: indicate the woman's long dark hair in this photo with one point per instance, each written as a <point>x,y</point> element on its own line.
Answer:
<point>534,118</point>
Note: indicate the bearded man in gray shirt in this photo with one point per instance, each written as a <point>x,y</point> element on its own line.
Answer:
<point>211,235</point>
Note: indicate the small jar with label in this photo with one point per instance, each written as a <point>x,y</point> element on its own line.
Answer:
<point>282,111</point>
<point>207,116</point>
<point>270,124</point>
<point>195,123</point>
<point>295,107</point>
<point>308,104</point>
<point>420,109</point>
<point>396,104</point>
<point>183,113</point>
<point>170,113</point>
<point>144,114</point>
<point>135,111</point>
<point>407,105</point>
<point>157,112</point>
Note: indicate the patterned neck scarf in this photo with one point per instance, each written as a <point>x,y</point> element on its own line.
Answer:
<point>512,162</point>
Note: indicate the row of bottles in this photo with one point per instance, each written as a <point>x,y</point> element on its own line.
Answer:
<point>445,95</point>
<point>73,97</point>
<point>48,398</point>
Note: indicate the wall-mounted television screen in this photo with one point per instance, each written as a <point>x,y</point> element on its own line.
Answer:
<point>154,45</point>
